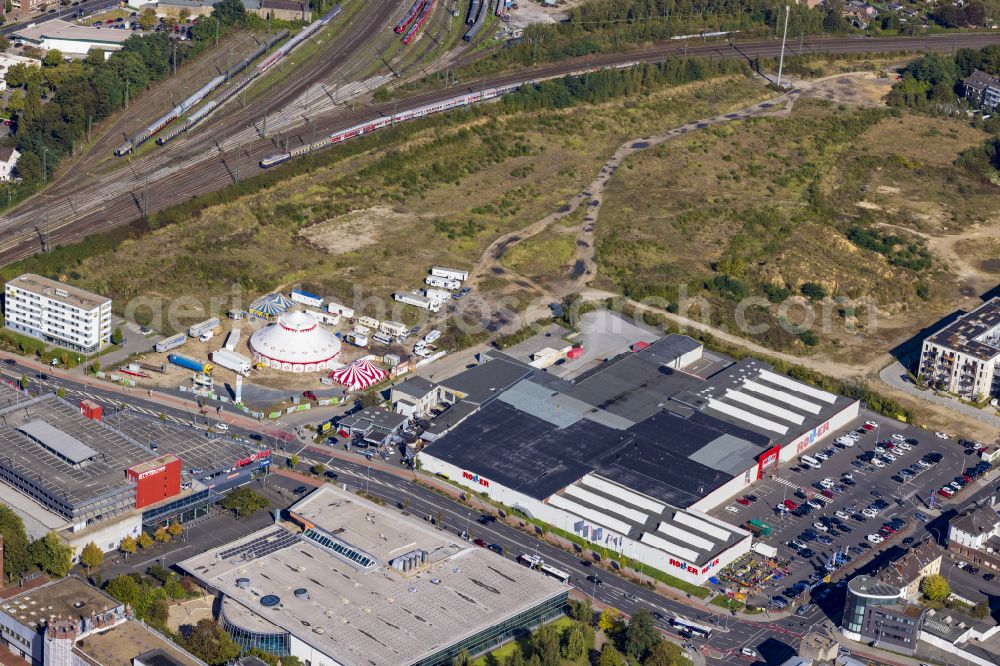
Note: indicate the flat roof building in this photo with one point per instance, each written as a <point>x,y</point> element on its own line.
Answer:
<point>57,313</point>
<point>962,357</point>
<point>634,452</point>
<point>72,38</point>
<point>356,583</point>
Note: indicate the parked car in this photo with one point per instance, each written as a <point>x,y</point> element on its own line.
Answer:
<point>480,542</point>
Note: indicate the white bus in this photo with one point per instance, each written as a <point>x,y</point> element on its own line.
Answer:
<point>810,461</point>
<point>537,563</point>
<point>689,627</point>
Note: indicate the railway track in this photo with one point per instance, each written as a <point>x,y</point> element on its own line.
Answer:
<point>72,211</point>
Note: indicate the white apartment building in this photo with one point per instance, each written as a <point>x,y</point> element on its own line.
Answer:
<point>57,313</point>
<point>962,357</point>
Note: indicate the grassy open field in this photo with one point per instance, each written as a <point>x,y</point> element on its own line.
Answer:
<point>864,201</point>
<point>375,220</point>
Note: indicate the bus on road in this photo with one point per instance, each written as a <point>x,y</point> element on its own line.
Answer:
<point>537,563</point>
<point>689,627</point>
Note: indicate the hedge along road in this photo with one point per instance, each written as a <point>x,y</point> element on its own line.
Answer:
<point>114,202</point>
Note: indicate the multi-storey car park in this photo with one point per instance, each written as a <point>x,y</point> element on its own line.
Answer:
<point>103,477</point>
<point>57,313</point>
<point>634,452</point>
<point>348,582</point>
<point>962,357</point>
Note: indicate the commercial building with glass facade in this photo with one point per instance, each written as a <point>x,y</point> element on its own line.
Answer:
<point>864,592</point>
<point>346,581</point>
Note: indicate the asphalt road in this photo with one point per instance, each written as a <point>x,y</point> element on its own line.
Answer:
<point>89,7</point>
<point>93,207</point>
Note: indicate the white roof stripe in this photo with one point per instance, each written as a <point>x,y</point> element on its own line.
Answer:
<point>589,514</point>
<point>781,396</point>
<point>624,494</point>
<point>671,530</point>
<point>766,407</point>
<point>671,548</point>
<point>604,503</point>
<point>798,387</point>
<point>685,518</point>
<point>743,415</point>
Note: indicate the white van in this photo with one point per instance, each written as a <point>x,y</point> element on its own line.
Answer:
<point>809,461</point>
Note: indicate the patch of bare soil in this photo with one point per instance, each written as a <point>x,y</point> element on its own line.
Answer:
<point>355,230</point>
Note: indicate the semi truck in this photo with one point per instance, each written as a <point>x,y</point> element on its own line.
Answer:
<point>173,342</point>
<point>232,339</point>
<point>190,364</point>
<point>416,300</point>
<point>444,283</point>
<point>198,329</point>
<point>238,363</point>
<point>450,273</point>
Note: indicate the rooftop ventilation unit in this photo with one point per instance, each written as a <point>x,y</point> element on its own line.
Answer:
<point>302,593</point>
<point>243,583</point>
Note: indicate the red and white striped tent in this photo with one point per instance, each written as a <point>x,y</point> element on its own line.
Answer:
<point>359,375</point>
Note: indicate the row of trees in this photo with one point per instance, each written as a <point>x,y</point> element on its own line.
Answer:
<point>634,642</point>
<point>21,556</point>
<point>54,107</point>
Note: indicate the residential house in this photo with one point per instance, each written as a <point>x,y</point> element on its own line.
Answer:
<point>982,90</point>
<point>975,535</point>
<point>906,573</point>
<point>414,398</point>
<point>8,160</point>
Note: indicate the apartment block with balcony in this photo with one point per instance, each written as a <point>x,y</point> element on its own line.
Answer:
<point>57,313</point>
<point>963,357</point>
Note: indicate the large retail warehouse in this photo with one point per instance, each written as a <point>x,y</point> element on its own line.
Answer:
<point>350,583</point>
<point>632,453</point>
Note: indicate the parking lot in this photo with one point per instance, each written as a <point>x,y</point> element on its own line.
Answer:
<point>830,509</point>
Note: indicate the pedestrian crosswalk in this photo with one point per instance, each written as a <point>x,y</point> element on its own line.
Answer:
<point>786,482</point>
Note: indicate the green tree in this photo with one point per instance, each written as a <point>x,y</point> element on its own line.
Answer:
<point>229,12</point>
<point>145,541</point>
<point>664,653</point>
<point>16,560</point>
<point>814,291</point>
<point>293,461</point>
<point>127,547</point>
<point>147,18</point>
<point>244,501</point>
<point>4,43</point>
<point>463,658</point>
<point>128,590</point>
<point>91,556</point>
<point>207,641</point>
<point>609,618</point>
<point>159,613</point>
<point>641,635</point>
<point>515,658</point>
<point>24,382</point>
<point>318,469</point>
<point>574,645</point>
<point>175,529</point>
<point>980,610</point>
<point>53,58</point>
<point>51,555</point>
<point>29,166</point>
<point>935,587</point>
<point>610,656</point>
<point>581,610</point>
<point>116,336</point>
<point>545,644</point>
<point>161,534</point>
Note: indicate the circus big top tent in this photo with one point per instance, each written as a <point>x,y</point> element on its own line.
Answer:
<point>359,375</point>
<point>295,343</point>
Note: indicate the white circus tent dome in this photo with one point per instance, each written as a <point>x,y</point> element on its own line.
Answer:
<point>295,343</point>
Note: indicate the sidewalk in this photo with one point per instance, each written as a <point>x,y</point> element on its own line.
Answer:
<point>895,375</point>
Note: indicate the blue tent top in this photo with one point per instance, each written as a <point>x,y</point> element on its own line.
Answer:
<point>271,305</point>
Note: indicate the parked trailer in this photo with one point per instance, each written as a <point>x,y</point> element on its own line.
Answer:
<point>450,273</point>
<point>417,300</point>
<point>232,339</point>
<point>238,363</point>
<point>190,364</point>
<point>432,336</point>
<point>357,339</point>
<point>415,28</point>
<point>396,329</point>
<point>173,342</point>
<point>338,309</point>
<point>410,15</point>
<point>434,281</point>
<point>203,327</point>
<point>368,322</point>
<point>438,295</point>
